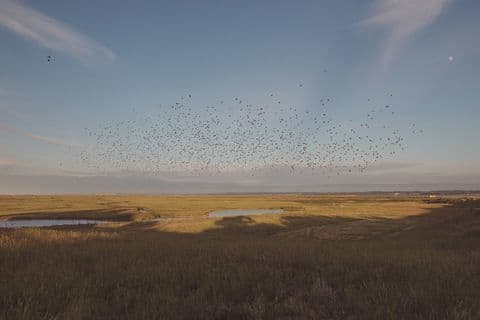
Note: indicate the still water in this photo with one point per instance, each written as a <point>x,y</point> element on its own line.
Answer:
<point>35,223</point>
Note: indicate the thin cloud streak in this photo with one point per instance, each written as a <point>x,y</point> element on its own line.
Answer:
<point>5,162</point>
<point>45,184</point>
<point>403,19</point>
<point>36,137</point>
<point>50,33</point>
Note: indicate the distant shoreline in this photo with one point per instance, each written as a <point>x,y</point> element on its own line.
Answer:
<point>433,192</point>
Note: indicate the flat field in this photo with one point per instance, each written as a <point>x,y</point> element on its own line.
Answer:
<point>367,256</point>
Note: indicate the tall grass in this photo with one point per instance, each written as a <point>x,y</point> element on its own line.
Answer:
<point>242,268</point>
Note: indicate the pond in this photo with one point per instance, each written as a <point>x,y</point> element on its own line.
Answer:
<point>35,223</point>
<point>242,212</point>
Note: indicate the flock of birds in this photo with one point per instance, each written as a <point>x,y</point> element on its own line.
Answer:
<point>236,135</point>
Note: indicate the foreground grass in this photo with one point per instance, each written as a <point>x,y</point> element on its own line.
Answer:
<point>293,266</point>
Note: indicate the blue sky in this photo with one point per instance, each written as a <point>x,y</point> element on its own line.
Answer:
<point>113,61</point>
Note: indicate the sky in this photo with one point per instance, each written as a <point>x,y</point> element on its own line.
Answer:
<point>71,65</point>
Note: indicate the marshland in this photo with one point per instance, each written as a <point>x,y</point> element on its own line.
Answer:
<point>359,256</point>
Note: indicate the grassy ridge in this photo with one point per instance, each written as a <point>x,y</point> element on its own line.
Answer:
<point>329,257</point>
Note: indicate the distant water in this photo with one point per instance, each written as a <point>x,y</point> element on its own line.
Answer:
<point>242,212</point>
<point>38,223</point>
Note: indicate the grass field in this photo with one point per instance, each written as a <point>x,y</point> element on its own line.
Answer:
<point>325,257</point>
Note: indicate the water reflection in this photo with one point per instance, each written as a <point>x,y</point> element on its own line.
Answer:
<point>37,223</point>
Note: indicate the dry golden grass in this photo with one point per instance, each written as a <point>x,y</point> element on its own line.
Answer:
<point>326,257</point>
<point>127,207</point>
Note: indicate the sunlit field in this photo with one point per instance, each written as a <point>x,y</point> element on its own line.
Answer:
<point>224,160</point>
<point>325,257</point>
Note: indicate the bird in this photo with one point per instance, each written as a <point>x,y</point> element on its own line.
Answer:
<point>244,136</point>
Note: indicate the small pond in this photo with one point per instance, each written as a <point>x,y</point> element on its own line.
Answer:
<point>242,212</point>
<point>35,223</point>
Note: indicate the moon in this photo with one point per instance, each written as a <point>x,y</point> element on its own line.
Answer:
<point>450,58</point>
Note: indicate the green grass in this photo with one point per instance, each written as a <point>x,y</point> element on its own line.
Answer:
<point>329,257</point>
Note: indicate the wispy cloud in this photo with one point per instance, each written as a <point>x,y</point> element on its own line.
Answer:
<point>36,137</point>
<point>50,33</point>
<point>6,162</point>
<point>9,111</point>
<point>404,18</point>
